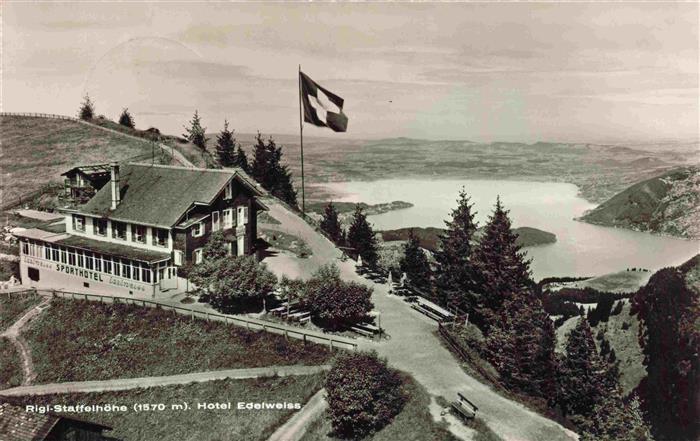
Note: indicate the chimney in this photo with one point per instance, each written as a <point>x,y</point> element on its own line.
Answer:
<point>114,184</point>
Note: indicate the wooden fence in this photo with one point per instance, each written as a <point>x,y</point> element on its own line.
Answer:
<point>251,324</point>
<point>39,115</point>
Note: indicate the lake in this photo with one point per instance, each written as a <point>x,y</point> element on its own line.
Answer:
<point>581,249</point>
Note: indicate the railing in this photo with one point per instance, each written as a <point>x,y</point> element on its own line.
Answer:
<point>24,292</point>
<point>39,115</point>
<point>250,324</point>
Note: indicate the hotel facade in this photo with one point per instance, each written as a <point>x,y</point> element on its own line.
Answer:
<point>147,221</point>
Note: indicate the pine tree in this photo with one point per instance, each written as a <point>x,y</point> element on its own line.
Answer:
<point>415,263</point>
<point>331,225</point>
<point>502,268</point>
<point>226,147</point>
<point>455,274</point>
<point>87,109</point>
<point>196,134</point>
<point>613,420</point>
<point>268,170</point>
<point>522,348</point>
<point>240,160</point>
<point>582,376</point>
<point>361,238</point>
<point>668,310</point>
<point>126,119</point>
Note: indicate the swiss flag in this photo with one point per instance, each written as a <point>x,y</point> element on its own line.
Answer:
<point>321,107</point>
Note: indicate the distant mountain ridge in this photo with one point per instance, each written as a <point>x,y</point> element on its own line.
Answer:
<point>666,204</point>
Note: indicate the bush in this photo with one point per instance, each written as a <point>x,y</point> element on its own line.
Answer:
<point>364,394</point>
<point>235,282</point>
<point>333,302</point>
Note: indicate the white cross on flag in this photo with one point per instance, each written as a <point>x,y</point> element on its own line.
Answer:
<point>321,107</point>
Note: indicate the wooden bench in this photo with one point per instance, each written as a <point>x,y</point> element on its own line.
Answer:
<point>425,311</point>
<point>362,331</point>
<point>464,408</point>
<point>368,327</point>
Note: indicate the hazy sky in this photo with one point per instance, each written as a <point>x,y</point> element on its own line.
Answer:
<point>516,72</point>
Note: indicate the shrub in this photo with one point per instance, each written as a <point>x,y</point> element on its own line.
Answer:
<point>333,302</point>
<point>363,394</point>
<point>126,120</point>
<point>235,282</point>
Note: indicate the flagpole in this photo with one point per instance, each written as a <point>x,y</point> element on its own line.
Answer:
<point>301,144</point>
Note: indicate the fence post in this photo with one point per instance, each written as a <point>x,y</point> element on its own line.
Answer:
<point>331,344</point>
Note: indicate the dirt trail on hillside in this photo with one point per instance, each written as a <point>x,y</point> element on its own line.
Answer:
<point>13,333</point>
<point>413,345</point>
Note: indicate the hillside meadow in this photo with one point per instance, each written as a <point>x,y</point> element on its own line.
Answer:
<point>35,151</point>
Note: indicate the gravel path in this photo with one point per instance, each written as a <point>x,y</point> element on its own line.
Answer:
<point>295,427</point>
<point>13,333</point>
<point>169,380</point>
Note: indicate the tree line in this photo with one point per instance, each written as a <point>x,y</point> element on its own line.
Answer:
<point>266,167</point>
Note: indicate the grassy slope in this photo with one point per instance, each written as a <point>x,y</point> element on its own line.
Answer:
<point>13,306</point>
<point>37,150</point>
<point>664,204</point>
<point>78,340</point>
<point>414,423</point>
<point>10,372</point>
<point>623,341</point>
<point>193,424</point>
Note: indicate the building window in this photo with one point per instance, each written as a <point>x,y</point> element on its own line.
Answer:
<point>99,227</point>
<point>78,222</point>
<point>88,261</point>
<point>98,262</point>
<point>198,229</point>
<point>126,269</point>
<point>229,191</point>
<point>138,233</point>
<point>228,218</point>
<point>198,255</point>
<point>136,273</point>
<point>81,260</point>
<point>146,274</point>
<point>215,221</point>
<point>54,253</point>
<point>108,265</point>
<point>160,237</point>
<point>118,230</point>
<point>33,274</point>
<point>242,215</point>
<point>25,247</point>
<point>71,257</point>
<point>47,252</point>
<point>117,267</point>
<point>178,257</point>
<point>63,255</point>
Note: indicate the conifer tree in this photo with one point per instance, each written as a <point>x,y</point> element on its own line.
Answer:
<point>126,119</point>
<point>226,147</point>
<point>415,263</point>
<point>455,274</point>
<point>668,309</point>
<point>268,170</point>
<point>522,348</point>
<point>361,238</point>
<point>196,133</point>
<point>502,268</point>
<point>87,109</point>
<point>614,420</point>
<point>240,160</point>
<point>582,377</point>
<point>331,225</point>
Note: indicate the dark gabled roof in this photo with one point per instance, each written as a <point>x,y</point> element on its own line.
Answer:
<point>16,424</point>
<point>93,169</point>
<point>160,195</point>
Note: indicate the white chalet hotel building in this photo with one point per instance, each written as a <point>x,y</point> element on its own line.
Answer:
<point>146,221</point>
